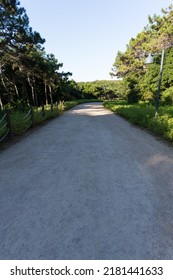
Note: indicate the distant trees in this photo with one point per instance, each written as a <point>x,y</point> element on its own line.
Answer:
<point>104,89</point>
<point>26,71</point>
<point>141,81</point>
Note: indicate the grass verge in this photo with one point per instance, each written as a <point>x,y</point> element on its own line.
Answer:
<point>20,121</point>
<point>143,114</point>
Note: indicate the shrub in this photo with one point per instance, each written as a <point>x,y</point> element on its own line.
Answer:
<point>148,96</point>
<point>61,106</point>
<point>144,115</point>
<point>167,96</point>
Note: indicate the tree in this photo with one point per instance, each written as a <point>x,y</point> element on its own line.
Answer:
<point>26,71</point>
<point>141,80</point>
<point>16,42</point>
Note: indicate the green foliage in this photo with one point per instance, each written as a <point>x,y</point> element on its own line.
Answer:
<point>129,65</point>
<point>26,71</point>
<point>103,89</point>
<point>167,96</point>
<point>21,120</point>
<point>167,77</point>
<point>143,114</point>
<point>3,128</point>
<point>61,106</point>
<point>133,90</point>
<point>19,105</point>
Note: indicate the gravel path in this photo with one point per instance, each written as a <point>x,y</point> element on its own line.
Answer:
<point>87,185</point>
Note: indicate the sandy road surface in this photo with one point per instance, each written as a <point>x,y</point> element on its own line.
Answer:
<point>87,185</point>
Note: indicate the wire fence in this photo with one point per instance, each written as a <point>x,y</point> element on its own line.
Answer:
<point>14,123</point>
<point>3,127</point>
<point>21,124</point>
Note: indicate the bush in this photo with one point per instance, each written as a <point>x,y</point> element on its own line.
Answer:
<point>144,115</point>
<point>148,96</point>
<point>167,96</point>
<point>61,106</point>
<point>20,105</point>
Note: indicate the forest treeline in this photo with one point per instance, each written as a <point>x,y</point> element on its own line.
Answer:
<point>141,81</point>
<point>29,75</point>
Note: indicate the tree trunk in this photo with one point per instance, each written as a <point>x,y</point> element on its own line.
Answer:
<point>4,85</point>
<point>50,92</point>
<point>32,89</point>
<point>34,95</point>
<point>45,91</point>
<point>17,92</point>
<point>1,105</point>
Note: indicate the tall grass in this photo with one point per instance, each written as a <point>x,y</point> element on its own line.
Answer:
<point>22,121</point>
<point>143,114</point>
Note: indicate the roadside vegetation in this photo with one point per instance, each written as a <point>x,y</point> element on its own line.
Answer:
<point>33,88</point>
<point>14,122</point>
<point>143,114</point>
<point>140,81</point>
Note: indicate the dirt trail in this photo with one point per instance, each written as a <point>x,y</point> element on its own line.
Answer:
<point>87,185</point>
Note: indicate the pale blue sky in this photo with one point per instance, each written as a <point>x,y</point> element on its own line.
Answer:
<point>85,35</point>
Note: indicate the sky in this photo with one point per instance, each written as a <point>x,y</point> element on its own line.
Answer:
<point>85,35</point>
